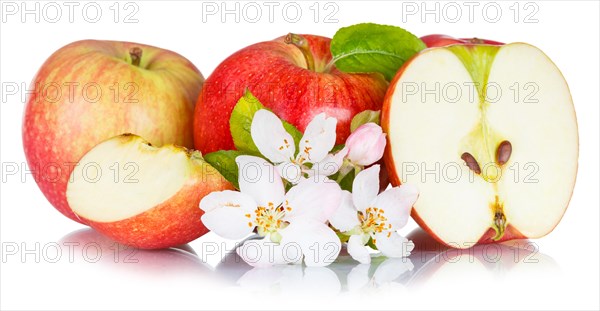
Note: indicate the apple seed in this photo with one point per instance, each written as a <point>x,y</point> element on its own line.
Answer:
<point>471,162</point>
<point>503,152</point>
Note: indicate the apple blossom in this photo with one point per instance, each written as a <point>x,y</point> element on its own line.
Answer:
<point>386,272</point>
<point>298,216</point>
<point>312,158</point>
<point>366,215</point>
<point>366,144</point>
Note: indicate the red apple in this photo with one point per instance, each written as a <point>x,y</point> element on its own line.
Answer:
<point>156,204</point>
<point>91,90</point>
<point>290,76</point>
<point>444,40</point>
<point>495,166</point>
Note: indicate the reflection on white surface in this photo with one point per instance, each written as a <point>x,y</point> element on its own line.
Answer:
<point>117,277</point>
<point>437,264</point>
<point>175,261</point>
<point>344,275</point>
<point>430,264</point>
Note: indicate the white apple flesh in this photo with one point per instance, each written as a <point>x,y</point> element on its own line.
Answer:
<point>498,165</point>
<point>152,202</point>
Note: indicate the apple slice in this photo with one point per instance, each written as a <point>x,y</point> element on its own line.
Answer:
<point>141,195</point>
<point>489,136</point>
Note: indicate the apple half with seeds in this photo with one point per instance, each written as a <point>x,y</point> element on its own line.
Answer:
<point>141,195</point>
<point>488,134</point>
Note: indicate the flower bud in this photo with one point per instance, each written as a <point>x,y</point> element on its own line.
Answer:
<point>366,144</point>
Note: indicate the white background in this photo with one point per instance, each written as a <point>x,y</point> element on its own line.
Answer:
<point>566,273</point>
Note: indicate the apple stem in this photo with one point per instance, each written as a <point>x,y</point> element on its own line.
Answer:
<point>301,43</point>
<point>499,219</point>
<point>136,56</point>
<point>499,225</point>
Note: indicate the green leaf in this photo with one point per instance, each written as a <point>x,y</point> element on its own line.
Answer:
<point>292,130</point>
<point>371,244</point>
<point>240,123</point>
<point>337,148</point>
<point>346,182</point>
<point>364,117</point>
<point>373,48</point>
<point>224,162</point>
<point>343,237</point>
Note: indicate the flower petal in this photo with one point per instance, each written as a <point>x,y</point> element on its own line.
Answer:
<point>366,144</point>
<point>358,277</point>
<point>228,222</point>
<point>227,198</point>
<point>261,278</point>
<point>345,217</point>
<point>365,187</point>
<point>394,245</point>
<point>330,165</point>
<point>391,269</point>
<point>319,281</point>
<point>261,253</point>
<point>397,203</point>
<point>318,139</point>
<point>260,180</point>
<point>319,244</point>
<point>312,199</point>
<point>358,250</point>
<point>271,138</point>
<point>292,172</point>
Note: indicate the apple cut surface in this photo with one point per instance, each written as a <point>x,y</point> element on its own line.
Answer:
<point>141,195</point>
<point>489,136</point>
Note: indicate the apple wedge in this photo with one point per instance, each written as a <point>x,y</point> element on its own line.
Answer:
<point>489,136</point>
<point>141,195</point>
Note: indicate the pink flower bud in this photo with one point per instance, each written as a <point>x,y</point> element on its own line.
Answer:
<point>366,144</point>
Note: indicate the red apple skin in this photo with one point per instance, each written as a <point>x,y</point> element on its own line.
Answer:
<point>173,222</point>
<point>57,133</point>
<point>275,72</point>
<point>510,232</point>
<point>437,40</point>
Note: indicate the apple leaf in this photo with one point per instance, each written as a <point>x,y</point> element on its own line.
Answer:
<point>224,162</point>
<point>367,116</point>
<point>347,181</point>
<point>292,130</point>
<point>240,124</point>
<point>371,47</point>
<point>337,148</point>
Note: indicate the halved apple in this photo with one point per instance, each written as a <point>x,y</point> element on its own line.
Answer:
<point>489,136</point>
<point>141,195</point>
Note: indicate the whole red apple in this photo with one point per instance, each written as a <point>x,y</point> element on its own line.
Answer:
<point>290,75</point>
<point>91,90</point>
<point>437,40</point>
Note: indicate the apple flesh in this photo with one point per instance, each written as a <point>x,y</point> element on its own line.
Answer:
<point>438,40</point>
<point>495,166</point>
<point>89,91</point>
<point>153,202</point>
<point>290,76</point>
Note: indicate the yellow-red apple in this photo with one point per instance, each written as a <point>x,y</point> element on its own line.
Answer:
<point>154,205</point>
<point>91,90</point>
